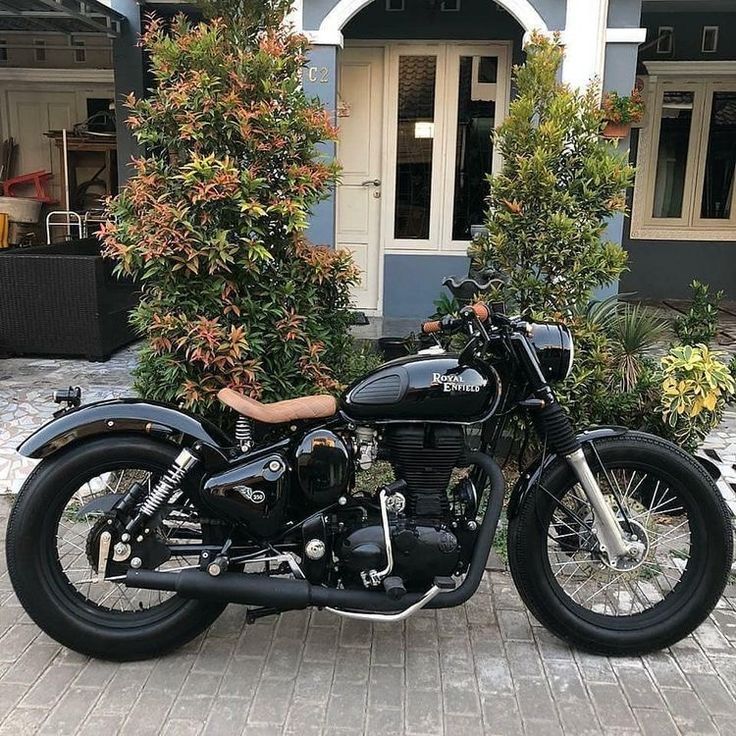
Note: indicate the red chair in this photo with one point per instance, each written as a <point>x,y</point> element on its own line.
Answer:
<point>38,179</point>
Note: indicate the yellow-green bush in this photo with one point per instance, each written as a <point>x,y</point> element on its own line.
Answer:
<point>696,386</point>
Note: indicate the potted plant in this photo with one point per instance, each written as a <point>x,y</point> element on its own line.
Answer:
<point>620,112</point>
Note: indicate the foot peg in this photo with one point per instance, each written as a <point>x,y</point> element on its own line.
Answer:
<point>394,587</point>
<point>444,583</point>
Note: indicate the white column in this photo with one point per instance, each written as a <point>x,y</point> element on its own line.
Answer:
<point>585,41</point>
<point>295,15</point>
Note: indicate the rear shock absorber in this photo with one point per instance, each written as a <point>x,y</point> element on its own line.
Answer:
<point>244,433</point>
<point>164,489</point>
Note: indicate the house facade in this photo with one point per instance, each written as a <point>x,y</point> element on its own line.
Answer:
<point>416,88</point>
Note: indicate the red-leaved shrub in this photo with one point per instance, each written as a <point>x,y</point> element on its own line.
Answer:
<point>212,221</point>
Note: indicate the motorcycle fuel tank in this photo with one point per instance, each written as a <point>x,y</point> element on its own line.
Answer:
<point>424,388</point>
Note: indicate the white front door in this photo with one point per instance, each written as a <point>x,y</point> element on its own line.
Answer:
<point>360,117</point>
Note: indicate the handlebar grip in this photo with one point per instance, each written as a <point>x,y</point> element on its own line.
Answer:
<point>482,311</point>
<point>428,328</point>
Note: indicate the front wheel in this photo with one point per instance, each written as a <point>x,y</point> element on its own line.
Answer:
<point>53,544</point>
<point>669,500</point>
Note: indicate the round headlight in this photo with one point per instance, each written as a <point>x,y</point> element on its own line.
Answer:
<point>555,349</point>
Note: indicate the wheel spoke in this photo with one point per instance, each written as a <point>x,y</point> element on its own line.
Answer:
<point>73,541</point>
<point>656,511</point>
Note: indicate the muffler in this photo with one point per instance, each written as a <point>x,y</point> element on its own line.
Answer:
<point>253,589</point>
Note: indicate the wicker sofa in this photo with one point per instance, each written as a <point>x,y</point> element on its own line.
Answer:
<point>63,300</point>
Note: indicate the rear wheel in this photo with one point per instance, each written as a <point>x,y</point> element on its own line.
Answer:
<point>53,550</point>
<point>667,501</point>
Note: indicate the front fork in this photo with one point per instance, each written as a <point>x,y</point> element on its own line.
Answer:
<point>619,550</point>
<point>557,432</point>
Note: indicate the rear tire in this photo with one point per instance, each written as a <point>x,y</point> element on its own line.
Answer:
<point>699,577</point>
<point>45,591</point>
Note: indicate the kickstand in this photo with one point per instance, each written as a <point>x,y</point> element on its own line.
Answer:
<point>253,614</point>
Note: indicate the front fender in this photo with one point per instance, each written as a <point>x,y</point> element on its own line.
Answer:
<point>529,478</point>
<point>121,415</point>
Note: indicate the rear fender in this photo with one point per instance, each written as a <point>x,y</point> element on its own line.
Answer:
<point>530,477</point>
<point>129,416</point>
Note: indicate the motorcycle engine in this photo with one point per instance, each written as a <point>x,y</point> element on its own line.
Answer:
<point>427,539</point>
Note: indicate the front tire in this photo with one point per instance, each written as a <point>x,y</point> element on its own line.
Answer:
<point>75,615</point>
<point>568,587</point>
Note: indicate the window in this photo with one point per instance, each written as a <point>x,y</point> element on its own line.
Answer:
<point>40,50</point>
<point>80,52</point>
<point>717,196</point>
<point>675,125</point>
<point>710,40</point>
<point>414,146</point>
<point>446,101</point>
<point>3,51</point>
<point>450,6</point>
<point>476,117</point>
<point>394,6</point>
<point>687,162</point>
<point>665,40</point>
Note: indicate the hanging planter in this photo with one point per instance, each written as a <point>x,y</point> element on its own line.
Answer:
<point>615,130</point>
<point>620,113</point>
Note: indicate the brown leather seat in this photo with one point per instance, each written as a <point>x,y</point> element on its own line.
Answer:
<point>305,407</point>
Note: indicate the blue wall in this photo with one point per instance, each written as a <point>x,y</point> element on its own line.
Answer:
<point>322,84</point>
<point>411,283</point>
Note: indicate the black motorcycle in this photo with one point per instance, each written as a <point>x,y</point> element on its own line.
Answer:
<point>142,521</point>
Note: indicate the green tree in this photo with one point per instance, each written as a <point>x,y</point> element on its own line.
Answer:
<point>212,221</point>
<point>560,182</point>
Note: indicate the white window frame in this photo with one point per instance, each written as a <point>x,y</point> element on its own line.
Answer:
<point>716,32</point>
<point>445,139</point>
<point>78,45</point>
<point>670,30</point>
<point>689,226</point>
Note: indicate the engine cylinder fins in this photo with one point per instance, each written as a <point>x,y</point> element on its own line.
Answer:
<point>424,456</point>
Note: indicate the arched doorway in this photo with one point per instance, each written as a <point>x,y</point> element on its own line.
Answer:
<point>331,26</point>
<point>420,91</point>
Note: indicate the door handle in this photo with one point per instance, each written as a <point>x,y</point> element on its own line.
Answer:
<point>371,183</point>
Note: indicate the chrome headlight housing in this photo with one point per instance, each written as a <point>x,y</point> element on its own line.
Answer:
<point>554,347</point>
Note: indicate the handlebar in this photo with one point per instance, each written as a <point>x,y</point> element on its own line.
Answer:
<point>449,324</point>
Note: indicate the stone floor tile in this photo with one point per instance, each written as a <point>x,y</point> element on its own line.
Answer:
<point>639,688</point>
<point>534,699</point>
<point>271,702</point>
<point>386,687</point>
<point>655,722</point>
<point>688,712</point>
<point>610,706</point>
<point>423,712</point>
<point>713,694</point>
<point>346,706</point>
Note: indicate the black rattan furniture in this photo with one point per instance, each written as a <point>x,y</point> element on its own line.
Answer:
<point>63,300</point>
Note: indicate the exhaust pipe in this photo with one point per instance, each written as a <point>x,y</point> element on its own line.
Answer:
<point>288,594</point>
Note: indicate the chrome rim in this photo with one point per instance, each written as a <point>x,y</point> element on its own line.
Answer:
<point>75,524</point>
<point>651,504</point>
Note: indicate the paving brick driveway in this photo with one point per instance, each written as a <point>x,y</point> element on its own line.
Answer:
<point>483,668</point>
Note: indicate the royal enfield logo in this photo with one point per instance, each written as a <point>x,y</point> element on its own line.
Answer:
<point>452,382</point>
<point>250,494</point>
